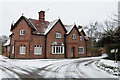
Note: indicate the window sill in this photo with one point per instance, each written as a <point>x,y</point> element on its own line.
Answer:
<point>58,38</point>
<point>74,39</point>
<point>22,53</point>
<point>57,53</point>
<point>37,54</point>
<point>80,53</point>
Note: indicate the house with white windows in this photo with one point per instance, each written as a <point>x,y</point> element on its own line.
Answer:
<point>33,38</point>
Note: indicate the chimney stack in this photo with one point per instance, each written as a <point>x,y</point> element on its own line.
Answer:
<point>79,27</point>
<point>41,16</point>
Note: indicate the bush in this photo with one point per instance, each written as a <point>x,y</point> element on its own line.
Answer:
<point>109,47</point>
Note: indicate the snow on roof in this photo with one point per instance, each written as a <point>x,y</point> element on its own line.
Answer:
<point>32,24</point>
<point>69,28</point>
<point>7,43</point>
<point>50,26</point>
<point>80,29</point>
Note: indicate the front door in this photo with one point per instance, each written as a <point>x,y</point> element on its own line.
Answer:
<point>72,52</point>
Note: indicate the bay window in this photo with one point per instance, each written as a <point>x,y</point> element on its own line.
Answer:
<point>57,49</point>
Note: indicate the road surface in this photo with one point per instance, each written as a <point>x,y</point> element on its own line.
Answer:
<point>68,69</point>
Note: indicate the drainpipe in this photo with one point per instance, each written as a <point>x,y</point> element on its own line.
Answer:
<point>65,54</point>
<point>45,45</point>
<point>14,49</point>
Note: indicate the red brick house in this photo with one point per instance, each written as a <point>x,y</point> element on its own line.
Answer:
<point>32,38</point>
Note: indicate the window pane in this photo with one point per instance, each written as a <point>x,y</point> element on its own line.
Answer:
<point>81,38</point>
<point>12,49</point>
<point>22,49</point>
<point>37,49</point>
<point>53,49</point>
<point>61,49</point>
<point>22,32</point>
<point>57,35</point>
<point>58,49</point>
<point>74,36</point>
<point>81,50</point>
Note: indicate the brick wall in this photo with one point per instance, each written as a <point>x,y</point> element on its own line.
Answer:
<point>37,40</point>
<point>18,39</point>
<point>82,43</point>
<point>51,38</point>
<point>70,43</point>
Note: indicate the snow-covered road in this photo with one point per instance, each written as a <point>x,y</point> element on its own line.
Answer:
<point>74,69</point>
<point>52,68</point>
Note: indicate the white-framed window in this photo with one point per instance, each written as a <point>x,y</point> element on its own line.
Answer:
<point>13,49</point>
<point>81,50</point>
<point>58,35</point>
<point>81,38</point>
<point>8,49</point>
<point>37,50</point>
<point>22,49</point>
<point>22,32</point>
<point>73,36</point>
<point>57,49</point>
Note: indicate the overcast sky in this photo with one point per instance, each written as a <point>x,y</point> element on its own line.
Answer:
<point>81,12</point>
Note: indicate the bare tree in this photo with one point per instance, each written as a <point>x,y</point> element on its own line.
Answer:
<point>93,32</point>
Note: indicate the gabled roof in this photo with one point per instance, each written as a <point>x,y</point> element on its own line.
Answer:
<point>43,28</point>
<point>40,26</point>
<point>52,24</point>
<point>69,28</point>
<point>81,30</point>
<point>27,21</point>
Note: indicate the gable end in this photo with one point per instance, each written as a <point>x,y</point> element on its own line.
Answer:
<point>76,29</point>
<point>26,20</point>
<point>55,24</point>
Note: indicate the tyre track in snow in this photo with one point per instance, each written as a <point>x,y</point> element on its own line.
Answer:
<point>71,68</point>
<point>53,70</point>
<point>65,70</point>
<point>93,69</point>
<point>80,72</point>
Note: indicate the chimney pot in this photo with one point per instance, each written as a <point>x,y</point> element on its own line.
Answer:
<point>41,16</point>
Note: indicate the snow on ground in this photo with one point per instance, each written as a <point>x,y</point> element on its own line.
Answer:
<point>15,68</point>
<point>109,66</point>
<point>108,63</point>
<point>91,71</point>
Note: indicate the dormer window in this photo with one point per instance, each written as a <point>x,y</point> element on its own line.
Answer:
<point>22,32</point>
<point>58,35</point>
<point>74,36</point>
